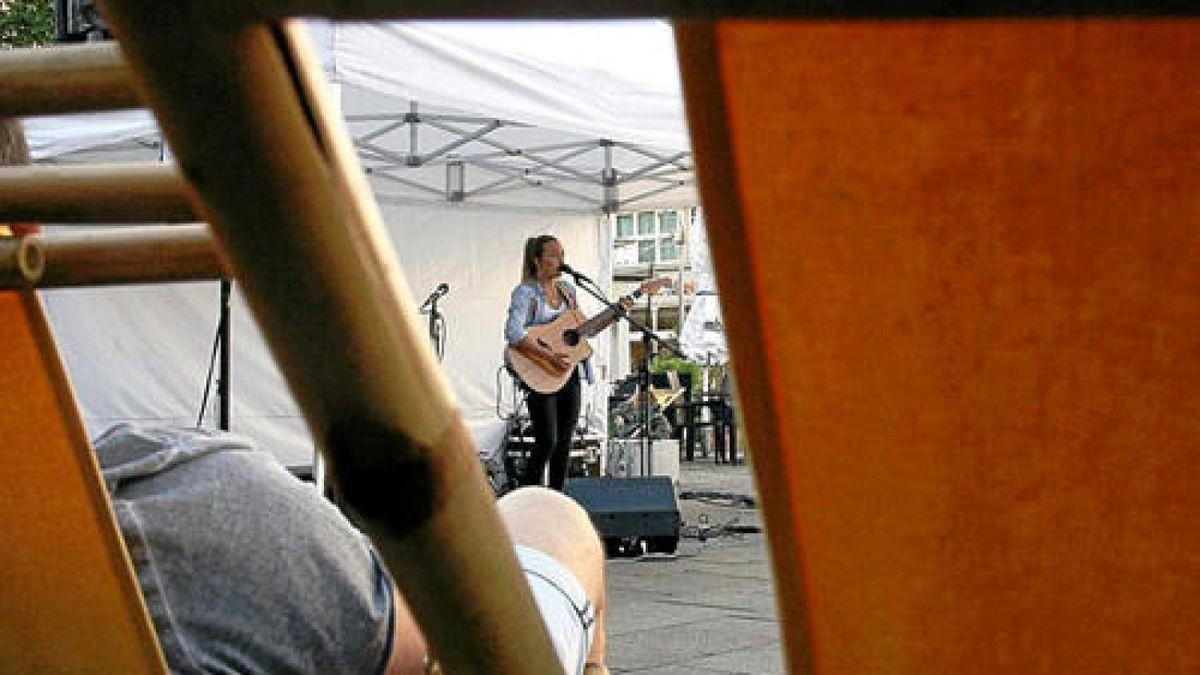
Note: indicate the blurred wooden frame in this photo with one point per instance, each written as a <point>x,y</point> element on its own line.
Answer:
<point>70,599</point>
<point>889,492</point>
<point>303,237</point>
<point>959,269</point>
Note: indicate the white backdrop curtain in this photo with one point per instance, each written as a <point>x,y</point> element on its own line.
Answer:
<point>142,352</point>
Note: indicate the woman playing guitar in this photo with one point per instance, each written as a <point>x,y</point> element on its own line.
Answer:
<point>547,337</point>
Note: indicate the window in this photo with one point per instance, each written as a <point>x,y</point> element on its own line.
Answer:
<point>646,222</point>
<point>668,318</point>
<point>668,250</point>
<point>668,222</point>
<point>625,225</point>
<point>646,251</point>
<point>655,233</point>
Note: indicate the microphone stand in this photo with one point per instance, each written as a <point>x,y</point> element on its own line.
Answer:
<point>648,341</point>
<point>226,356</point>
<point>437,324</point>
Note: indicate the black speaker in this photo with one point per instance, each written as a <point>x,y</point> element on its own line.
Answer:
<point>642,508</point>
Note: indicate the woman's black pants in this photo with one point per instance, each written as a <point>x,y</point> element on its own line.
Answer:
<point>553,417</point>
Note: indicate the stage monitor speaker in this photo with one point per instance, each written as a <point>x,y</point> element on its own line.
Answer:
<point>642,508</point>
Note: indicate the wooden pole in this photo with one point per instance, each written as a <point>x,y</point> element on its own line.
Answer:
<point>119,256</point>
<point>307,244</point>
<point>238,13</point>
<point>14,151</point>
<point>72,79</point>
<point>148,192</point>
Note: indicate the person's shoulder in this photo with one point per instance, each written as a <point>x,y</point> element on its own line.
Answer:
<point>128,451</point>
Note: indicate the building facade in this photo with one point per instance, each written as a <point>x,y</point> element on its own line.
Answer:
<point>647,245</point>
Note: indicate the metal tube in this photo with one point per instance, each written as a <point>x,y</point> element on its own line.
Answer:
<point>120,256</point>
<point>226,358</point>
<point>307,245</point>
<point>414,137</point>
<point>78,78</point>
<point>147,192</point>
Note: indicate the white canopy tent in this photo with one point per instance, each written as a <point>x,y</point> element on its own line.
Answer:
<point>475,136</point>
<point>582,115</point>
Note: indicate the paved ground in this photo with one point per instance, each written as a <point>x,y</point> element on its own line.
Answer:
<point>709,609</point>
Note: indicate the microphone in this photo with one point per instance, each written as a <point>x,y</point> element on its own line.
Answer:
<point>441,290</point>
<point>569,270</point>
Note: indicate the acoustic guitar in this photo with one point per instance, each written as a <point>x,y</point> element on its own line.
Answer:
<point>567,335</point>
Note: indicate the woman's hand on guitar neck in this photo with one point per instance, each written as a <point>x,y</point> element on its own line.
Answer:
<point>653,286</point>
<point>649,287</point>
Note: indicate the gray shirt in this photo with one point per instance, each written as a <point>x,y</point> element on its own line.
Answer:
<point>244,568</point>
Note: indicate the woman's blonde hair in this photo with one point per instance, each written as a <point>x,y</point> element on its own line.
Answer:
<point>533,250</point>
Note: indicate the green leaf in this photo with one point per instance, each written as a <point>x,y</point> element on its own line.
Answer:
<point>26,23</point>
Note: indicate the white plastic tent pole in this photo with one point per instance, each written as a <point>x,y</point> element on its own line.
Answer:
<point>413,134</point>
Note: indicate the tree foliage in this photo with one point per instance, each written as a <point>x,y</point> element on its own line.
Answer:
<point>26,23</point>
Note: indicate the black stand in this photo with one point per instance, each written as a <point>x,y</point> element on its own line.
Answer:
<point>633,515</point>
<point>649,339</point>
<point>437,326</point>
<point>644,383</point>
<point>226,358</point>
<point>220,349</point>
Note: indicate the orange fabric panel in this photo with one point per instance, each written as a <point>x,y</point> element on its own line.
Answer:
<point>68,599</point>
<point>960,265</point>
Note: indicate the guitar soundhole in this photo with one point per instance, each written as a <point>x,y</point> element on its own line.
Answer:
<point>571,338</point>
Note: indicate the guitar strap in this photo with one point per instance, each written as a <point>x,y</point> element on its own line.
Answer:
<point>567,297</point>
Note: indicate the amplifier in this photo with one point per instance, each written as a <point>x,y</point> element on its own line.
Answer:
<point>642,507</point>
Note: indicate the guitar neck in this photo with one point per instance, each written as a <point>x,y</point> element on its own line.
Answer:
<point>594,325</point>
